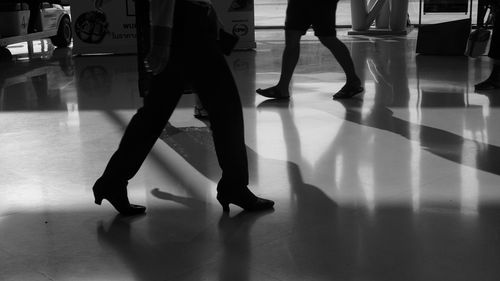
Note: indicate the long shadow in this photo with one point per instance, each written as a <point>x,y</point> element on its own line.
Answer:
<point>315,234</point>
<point>184,257</point>
<point>316,244</point>
<point>392,91</point>
<point>195,145</point>
<point>356,242</point>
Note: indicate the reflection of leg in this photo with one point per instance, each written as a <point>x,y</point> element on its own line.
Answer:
<point>291,55</point>
<point>234,233</point>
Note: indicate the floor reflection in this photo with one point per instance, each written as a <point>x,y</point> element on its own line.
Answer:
<point>392,91</point>
<point>399,184</point>
<point>35,84</point>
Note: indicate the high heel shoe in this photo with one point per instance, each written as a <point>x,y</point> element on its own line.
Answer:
<point>117,196</point>
<point>245,199</point>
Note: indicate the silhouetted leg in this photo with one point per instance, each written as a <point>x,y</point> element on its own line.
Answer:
<point>290,58</point>
<point>145,126</point>
<point>291,55</point>
<point>219,95</point>
<point>342,55</point>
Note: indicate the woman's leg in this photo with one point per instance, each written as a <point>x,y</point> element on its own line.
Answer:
<point>145,127</point>
<point>139,137</point>
<point>218,93</point>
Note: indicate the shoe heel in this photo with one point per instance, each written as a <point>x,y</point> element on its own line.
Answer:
<point>98,198</point>
<point>225,206</point>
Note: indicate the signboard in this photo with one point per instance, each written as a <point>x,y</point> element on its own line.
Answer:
<point>238,18</point>
<point>446,6</point>
<point>109,26</point>
<point>104,26</point>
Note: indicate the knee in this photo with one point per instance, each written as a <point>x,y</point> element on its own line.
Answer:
<point>329,40</point>
<point>292,39</point>
<point>292,45</point>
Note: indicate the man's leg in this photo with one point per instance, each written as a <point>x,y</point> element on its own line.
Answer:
<point>324,28</point>
<point>290,57</point>
<point>218,93</point>
<point>138,139</point>
<point>145,127</point>
<point>342,55</point>
<point>298,20</point>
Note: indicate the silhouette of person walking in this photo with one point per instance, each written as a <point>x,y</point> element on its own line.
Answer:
<point>320,14</point>
<point>34,19</point>
<point>493,81</point>
<point>184,51</point>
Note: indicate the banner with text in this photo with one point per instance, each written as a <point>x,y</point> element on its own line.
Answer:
<point>104,26</point>
<point>238,18</point>
<point>108,26</point>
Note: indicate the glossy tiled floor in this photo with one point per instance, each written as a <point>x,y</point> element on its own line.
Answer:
<point>401,184</point>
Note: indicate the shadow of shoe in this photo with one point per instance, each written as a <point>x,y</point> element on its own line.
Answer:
<point>189,202</point>
<point>275,104</point>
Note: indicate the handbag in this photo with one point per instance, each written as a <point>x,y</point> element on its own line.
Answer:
<point>479,38</point>
<point>443,39</point>
<point>477,43</point>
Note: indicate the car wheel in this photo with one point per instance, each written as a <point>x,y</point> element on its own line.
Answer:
<point>64,34</point>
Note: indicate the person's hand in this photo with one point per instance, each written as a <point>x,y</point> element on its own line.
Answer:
<point>157,59</point>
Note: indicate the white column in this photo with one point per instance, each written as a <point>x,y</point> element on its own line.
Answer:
<point>387,14</point>
<point>399,15</point>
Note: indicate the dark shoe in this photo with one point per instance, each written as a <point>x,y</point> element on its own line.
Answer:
<point>348,91</point>
<point>273,93</point>
<point>488,84</point>
<point>117,196</point>
<point>245,199</point>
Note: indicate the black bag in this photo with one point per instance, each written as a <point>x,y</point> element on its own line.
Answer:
<point>477,43</point>
<point>479,38</point>
<point>448,38</point>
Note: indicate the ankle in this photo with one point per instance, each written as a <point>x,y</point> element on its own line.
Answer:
<point>353,81</point>
<point>282,87</point>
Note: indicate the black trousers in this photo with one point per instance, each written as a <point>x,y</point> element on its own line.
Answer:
<point>196,59</point>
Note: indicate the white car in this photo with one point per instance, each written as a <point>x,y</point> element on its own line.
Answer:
<point>18,25</point>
